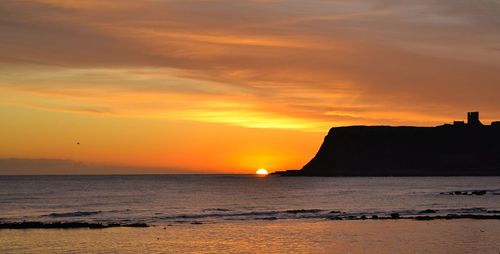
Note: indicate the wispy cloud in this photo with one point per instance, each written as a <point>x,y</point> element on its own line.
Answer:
<point>280,64</point>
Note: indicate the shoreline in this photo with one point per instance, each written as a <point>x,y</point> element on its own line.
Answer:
<point>301,173</point>
<point>91,225</point>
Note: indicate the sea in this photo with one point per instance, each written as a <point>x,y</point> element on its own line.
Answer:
<point>164,200</point>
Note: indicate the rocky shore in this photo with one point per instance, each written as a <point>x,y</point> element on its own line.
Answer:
<point>65,225</point>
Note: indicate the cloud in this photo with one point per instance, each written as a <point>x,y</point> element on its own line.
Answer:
<point>28,166</point>
<point>278,63</point>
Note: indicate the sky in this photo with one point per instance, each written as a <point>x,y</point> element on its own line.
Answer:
<point>225,86</point>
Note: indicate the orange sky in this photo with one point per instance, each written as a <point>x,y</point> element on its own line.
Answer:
<point>233,86</point>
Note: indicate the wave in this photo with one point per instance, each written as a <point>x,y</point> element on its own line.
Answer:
<point>216,210</point>
<point>327,214</point>
<point>268,216</point>
<point>72,214</point>
<point>472,192</point>
<point>303,211</point>
<point>218,215</point>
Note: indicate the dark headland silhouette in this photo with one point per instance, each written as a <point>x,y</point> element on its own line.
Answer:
<point>458,149</point>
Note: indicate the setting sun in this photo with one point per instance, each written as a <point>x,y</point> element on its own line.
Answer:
<point>262,172</point>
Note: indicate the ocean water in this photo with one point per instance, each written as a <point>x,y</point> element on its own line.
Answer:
<point>219,199</point>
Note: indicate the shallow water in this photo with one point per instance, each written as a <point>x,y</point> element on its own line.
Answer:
<point>184,199</point>
<point>257,236</point>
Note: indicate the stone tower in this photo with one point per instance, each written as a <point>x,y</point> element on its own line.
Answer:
<point>473,119</point>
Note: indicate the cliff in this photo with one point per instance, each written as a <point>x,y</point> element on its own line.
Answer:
<point>448,150</point>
